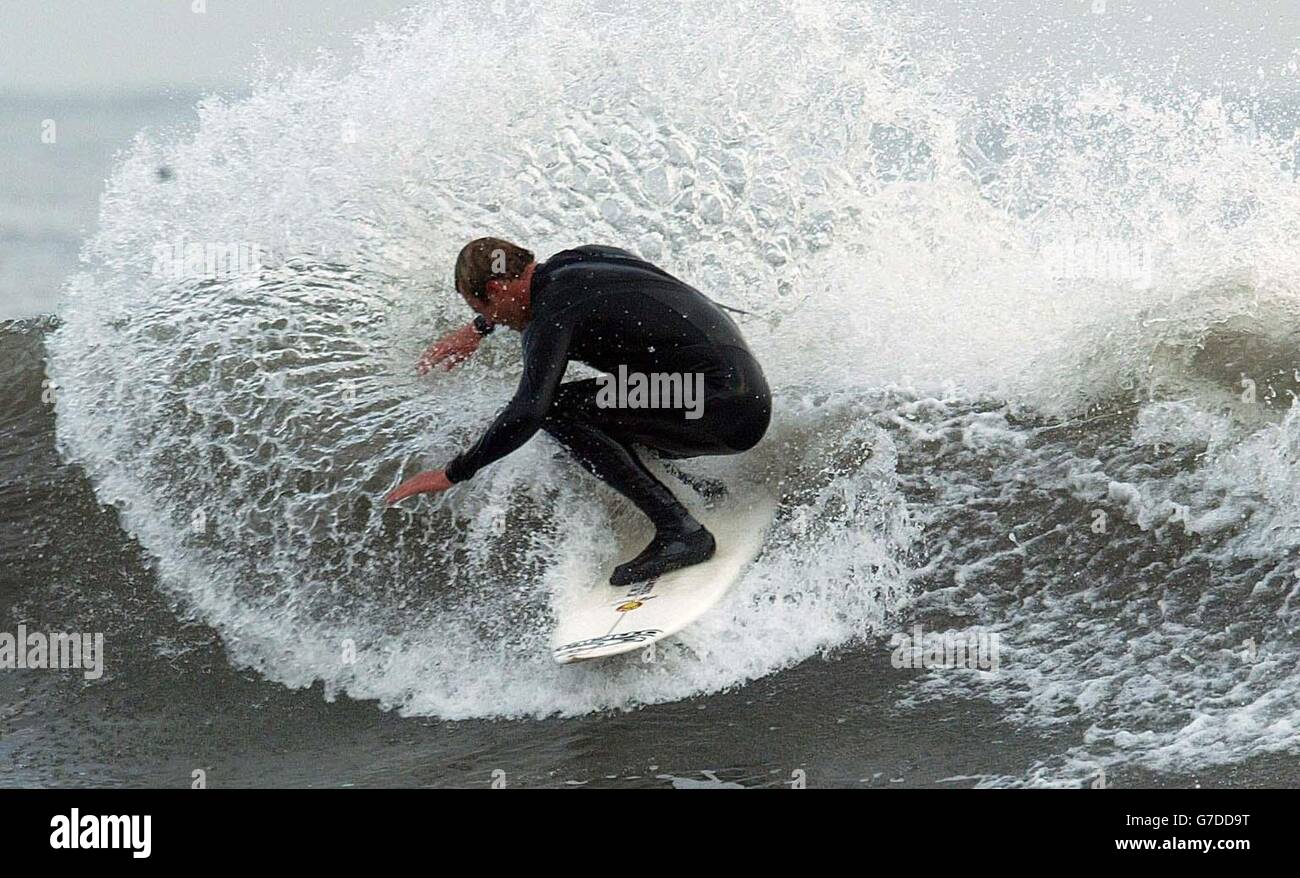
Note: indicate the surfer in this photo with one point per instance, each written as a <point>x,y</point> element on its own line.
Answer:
<point>622,316</point>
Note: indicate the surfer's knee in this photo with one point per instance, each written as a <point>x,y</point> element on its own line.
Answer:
<point>747,424</point>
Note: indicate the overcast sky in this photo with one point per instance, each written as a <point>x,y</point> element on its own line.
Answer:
<point>61,46</point>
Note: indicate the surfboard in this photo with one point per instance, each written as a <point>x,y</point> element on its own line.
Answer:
<point>596,620</point>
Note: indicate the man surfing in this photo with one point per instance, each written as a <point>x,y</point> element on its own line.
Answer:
<point>622,316</point>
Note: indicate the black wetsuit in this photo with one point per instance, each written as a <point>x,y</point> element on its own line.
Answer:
<point>604,307</point>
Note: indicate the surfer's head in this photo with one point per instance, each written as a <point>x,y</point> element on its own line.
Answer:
<point>494,276</point>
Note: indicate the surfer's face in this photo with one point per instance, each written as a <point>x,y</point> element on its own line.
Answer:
<point>496,307</point>
<point>507,302</point>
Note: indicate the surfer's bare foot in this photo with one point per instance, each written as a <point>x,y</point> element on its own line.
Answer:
<point>667,552</point>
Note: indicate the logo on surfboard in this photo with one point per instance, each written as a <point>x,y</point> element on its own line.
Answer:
<point>634,604</point>
<point>569,650</point>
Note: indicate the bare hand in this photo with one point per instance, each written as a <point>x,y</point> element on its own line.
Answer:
<point>450,350</point>
<point>424,483</point>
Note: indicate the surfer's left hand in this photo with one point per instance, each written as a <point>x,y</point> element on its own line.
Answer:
<point>424,483</point>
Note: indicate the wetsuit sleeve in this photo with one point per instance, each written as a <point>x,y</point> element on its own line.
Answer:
<point>546,356</point>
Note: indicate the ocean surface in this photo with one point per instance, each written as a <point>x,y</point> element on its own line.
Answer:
<point>1034,353</point>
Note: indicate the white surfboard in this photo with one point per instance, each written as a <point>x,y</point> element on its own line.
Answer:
<point>594,619</point>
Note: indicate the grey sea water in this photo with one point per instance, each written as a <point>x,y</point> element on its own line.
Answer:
<point>1034,360</point>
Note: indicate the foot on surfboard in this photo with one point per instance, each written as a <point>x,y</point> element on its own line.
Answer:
<point>667,552</point>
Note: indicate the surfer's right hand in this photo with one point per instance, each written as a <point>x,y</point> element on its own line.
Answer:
<point>424,483</point>
<point>450,350</point>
